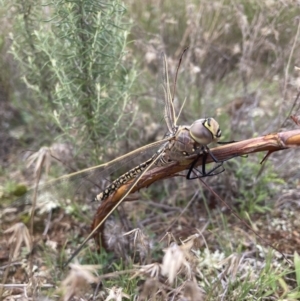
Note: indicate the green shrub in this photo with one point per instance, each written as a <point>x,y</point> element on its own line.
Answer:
<point>256,188</point>
<point>71,55</point>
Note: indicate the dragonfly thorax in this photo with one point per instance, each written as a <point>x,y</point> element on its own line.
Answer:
<point>205,131</point>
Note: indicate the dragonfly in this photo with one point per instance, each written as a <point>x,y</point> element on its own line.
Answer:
<point>182,141</point>
<point>179,143</point>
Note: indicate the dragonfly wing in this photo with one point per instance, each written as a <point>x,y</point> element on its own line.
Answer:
<point>164,96</point>
<point>75,184</point>
<point>169,105</point>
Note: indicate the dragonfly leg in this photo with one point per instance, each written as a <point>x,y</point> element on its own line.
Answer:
<point>204,152</point>
<point>203,173</point>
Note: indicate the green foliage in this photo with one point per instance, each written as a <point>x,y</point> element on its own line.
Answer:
<point>297,267</point>
<point>71,55</point>
<point>256,188</point>
<point>10,190</point>
<point>295,295</point>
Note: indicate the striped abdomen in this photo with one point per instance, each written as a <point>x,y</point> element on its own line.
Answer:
<point>116,184</point>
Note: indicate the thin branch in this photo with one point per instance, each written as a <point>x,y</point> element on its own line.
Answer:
<point>269,143</point>
<point>290,59</point>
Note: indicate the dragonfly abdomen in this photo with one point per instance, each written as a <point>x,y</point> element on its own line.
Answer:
<point>116,184</point>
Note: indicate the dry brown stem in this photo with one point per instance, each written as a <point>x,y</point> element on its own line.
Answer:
<point>270,143</point>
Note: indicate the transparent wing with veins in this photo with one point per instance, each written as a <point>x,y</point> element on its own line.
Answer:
<point>169,105</point>
<point>72,185</point>
<point>164,99</point>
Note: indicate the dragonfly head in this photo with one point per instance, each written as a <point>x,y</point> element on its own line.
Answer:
<point>205,131</point>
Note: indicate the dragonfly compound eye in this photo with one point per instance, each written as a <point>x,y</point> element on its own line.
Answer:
<point>205,131</point>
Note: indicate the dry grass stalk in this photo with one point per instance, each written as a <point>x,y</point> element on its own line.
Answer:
<point>78,280</point>
<point>18,234</point>
<point>116,294</point>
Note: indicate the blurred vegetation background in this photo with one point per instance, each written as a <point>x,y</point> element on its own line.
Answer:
<point>80,77</point>
<point>78,73</point>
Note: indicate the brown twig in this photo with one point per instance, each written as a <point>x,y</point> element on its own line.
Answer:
<point>269,143</point>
